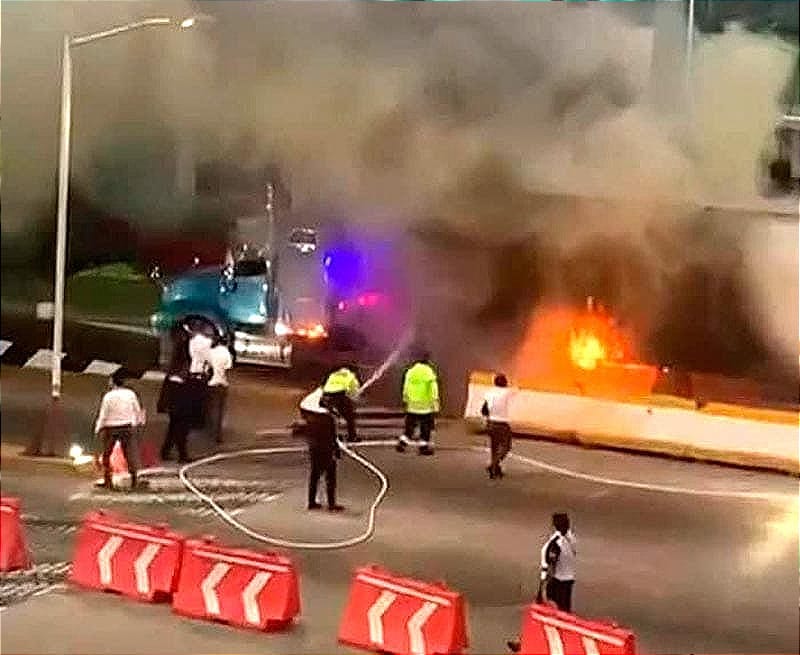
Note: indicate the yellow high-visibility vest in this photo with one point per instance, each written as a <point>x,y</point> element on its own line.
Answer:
<point>343,380</point>
<point>421,389</point>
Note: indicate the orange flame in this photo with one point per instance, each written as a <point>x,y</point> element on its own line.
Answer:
<point>586,350</point>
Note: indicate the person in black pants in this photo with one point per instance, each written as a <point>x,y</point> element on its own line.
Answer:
<point>178,400</point>
<point>322,449</point>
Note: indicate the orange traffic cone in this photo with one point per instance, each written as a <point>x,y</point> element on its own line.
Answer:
<point>119,466</point>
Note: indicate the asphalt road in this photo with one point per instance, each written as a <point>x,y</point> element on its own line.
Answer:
<point>683,554</point>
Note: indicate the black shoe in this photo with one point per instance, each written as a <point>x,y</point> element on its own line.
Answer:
<point>513,646</point>
<point>400,447</point>
<point>426,450</point>
<point>314,506</point>
<point>335,508</point>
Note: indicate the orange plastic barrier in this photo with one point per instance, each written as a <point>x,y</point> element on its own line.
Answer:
<point>547,630</point>
<point>402,616</point>
<point>139,561</point>
<point>13,548</point>
<point>237,586</point>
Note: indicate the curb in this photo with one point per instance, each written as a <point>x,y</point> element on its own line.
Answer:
<point>14,452</point>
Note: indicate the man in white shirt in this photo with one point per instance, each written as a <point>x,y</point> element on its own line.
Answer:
<point>199,353</point>
<point>221,362</point>
<point>120,414</point>
<point>495,409</point>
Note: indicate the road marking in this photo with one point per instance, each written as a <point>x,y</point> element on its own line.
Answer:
<point>119,327</point>
<point>4,345</point>
<point>250,597</point>
<point>155,376</point>
<point>42,359</point>
<point>644,486</point>
<point>101,367</point>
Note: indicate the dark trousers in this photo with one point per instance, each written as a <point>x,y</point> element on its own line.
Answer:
<point>345,408</point>
<point>500,442</point>
<point>215,411</point>
<point>126,438</point>
<point>560,592</point>
<point>323,462</point>
<point>177,432</point>
<point>426,425</point>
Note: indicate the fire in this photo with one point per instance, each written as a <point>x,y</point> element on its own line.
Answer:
<point>586,350</point>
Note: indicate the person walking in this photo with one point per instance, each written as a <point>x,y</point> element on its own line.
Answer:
<point>323,449</point>
<point>558,569</point>
<point>421,400</point>
<point>221,362</point>
<point>340,389</point>
<point>118,419</point>
<point>495,409</point>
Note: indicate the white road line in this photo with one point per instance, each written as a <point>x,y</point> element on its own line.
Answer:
<point>101,367</point>
<point>4,345</point>
<point>119,327</point>
<point>42,359</point>
<point>156,376</point>
<point>644,486</point>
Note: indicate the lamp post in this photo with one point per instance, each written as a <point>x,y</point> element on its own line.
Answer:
<point>63,191</point>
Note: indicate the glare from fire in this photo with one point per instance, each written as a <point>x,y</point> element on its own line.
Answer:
<point>586,350</point>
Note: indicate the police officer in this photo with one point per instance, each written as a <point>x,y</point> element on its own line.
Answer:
<point>322,448</point>
<point>340,388</point>
<point>558,569</point>
<point>495,409</point>
<point>421,400</point>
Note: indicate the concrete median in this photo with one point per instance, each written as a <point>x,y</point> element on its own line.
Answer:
<point>752,438</point>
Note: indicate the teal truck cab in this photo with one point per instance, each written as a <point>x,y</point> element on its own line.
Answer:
<point>241,300</point>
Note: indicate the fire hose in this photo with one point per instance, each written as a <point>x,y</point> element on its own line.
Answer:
<point>305,545</point>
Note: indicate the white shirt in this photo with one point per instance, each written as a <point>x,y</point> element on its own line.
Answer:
<point>311,402</point>
<point>565,564</point>
<point>498,401</point>
<point>200,352</point>
<point>119,407</point>
<point>221,362</point>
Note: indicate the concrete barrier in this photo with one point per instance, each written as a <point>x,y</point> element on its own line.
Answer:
<point>648,427</point>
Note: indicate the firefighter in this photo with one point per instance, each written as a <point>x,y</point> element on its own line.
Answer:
<point>421,400</point>
<point>323,449</point>
<point>495,409</point>
<point>340,389</point>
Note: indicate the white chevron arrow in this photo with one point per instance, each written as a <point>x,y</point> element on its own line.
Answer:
<point>141,566</point>
<point>554,643</point>
<point>208,587</point>
<point>590,646</point>
<point>415,623</point>
<point>104,558</point>
<point>375,616</point>
<point>250,594</point>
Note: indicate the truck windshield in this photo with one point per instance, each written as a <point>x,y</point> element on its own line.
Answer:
<point>250,268</point>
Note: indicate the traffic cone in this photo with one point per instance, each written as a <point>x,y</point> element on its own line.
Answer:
<point>13,549</point>
<point>148,455</point>
<point>119,466</point>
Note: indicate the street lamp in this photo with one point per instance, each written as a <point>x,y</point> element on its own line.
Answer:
<point>63,179</point>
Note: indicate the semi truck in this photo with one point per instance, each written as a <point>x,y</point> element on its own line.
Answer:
<point>282,291</point>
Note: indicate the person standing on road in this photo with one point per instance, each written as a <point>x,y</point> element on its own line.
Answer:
<point>340,389</point>
<point>176,399</point>
<point>323,449</point>
<point>119,416</point>
<point>421,400</point>
<point>558,569</point>
<point>558,565</point>
<point>221,362</point>
<point>495,409</point>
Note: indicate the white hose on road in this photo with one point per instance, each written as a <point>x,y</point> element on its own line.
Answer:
<point>305,545</point>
